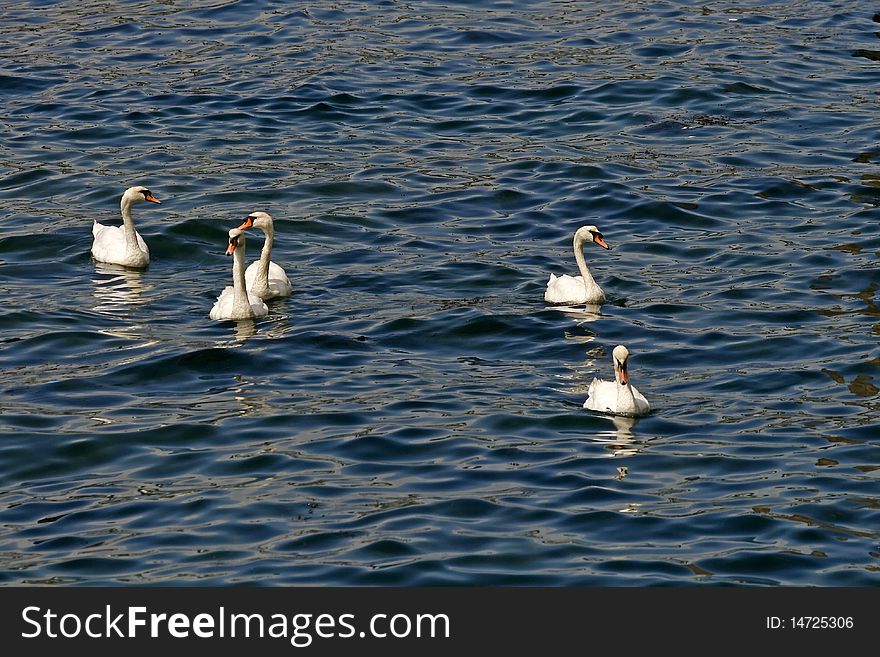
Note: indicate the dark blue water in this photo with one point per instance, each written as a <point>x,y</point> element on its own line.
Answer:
<point>412,414</point>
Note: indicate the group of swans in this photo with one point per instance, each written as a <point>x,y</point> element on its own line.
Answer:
<point>244,299</point>
<point>263,280</point>
<point>618,397</point>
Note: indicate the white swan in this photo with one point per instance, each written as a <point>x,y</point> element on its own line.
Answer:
<point>578,289</point>
<point>122,245</point>
<point>236,302</point>
<point>617,397</point>
<point>263,277</point>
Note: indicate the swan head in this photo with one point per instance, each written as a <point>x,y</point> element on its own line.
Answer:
<point>137,194</point>
<point>590,234</point>
<point>620,355</point>
<point>236,239</point>
<point>261,220</point>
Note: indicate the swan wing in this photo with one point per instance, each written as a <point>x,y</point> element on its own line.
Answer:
<point>275,271</point>
<point>564,289</point>
<point>222,308</point>
<point>250,274</point>
<point>602,396</point>
<point>259,308</point>
<point>279,284</point>
<point>279,287</point>
<point>571,290</point>
<point>99,228</point>
<point>643,407</point>
<point>143,245</point>
<point>225,304</point>
<point>109,245</point>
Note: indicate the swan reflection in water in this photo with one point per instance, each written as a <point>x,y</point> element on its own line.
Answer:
<point>582,314</point>
<point>620,441</point>
<point>276,328</point>
<point>244,329</point>
<point>117,289</point>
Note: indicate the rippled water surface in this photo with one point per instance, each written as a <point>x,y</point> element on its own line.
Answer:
<point>412,414</point>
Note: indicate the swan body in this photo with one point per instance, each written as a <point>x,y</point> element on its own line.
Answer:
<point>263,277</point>
<point>573,290</point>
<point>236,302</point>
<point>617,397</point>
<point>123,245</point>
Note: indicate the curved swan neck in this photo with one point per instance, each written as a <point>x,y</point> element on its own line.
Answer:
<point>579,241</point>
<point>128,230</point>
<point>266,254</point>
<point>240,303</point>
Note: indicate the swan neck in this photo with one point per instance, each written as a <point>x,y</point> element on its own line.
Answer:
<point>240,300</point>
<point>128,225</point>
<point>266,255</point>
<point>589,281</point>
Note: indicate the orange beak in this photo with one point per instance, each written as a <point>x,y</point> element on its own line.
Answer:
<point>620,370</point>
<point>598,240</point>
<point>230,249</point>
<point>247,223</point>
<point>152,198</point>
